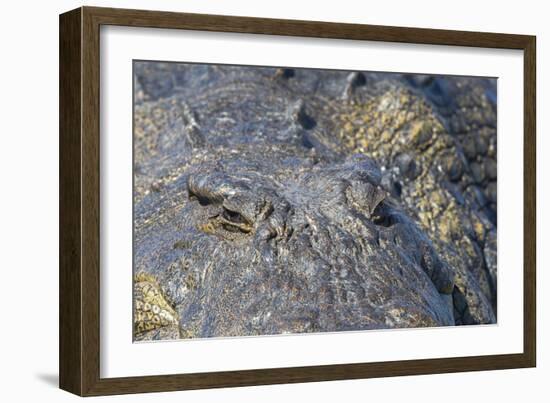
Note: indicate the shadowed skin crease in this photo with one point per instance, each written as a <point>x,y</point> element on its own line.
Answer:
<point>273,201</point>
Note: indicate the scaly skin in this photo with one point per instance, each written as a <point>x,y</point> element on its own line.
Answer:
<point>430,169</point>
<point>153,316</point>
<point>254,215</point>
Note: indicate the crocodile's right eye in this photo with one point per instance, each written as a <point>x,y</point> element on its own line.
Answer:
<point>231,208</point>
<point>227,224</point>
<point>233,216</point>
<point>233,221</point>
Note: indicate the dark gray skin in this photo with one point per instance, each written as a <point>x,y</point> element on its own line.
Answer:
<point>252,217</point>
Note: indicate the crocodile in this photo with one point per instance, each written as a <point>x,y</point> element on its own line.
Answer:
<point>289,200</point>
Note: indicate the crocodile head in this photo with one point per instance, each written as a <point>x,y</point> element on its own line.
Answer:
<point>249,242</point>
<point>251,218</point>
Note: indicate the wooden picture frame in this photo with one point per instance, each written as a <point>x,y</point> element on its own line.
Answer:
<point>79,348</point>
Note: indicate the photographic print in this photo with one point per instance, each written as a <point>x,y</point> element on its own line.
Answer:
<point>275,200</point>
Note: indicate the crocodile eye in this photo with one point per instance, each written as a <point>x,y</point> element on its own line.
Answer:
<point>232,222</point>
<point>233,216</point>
